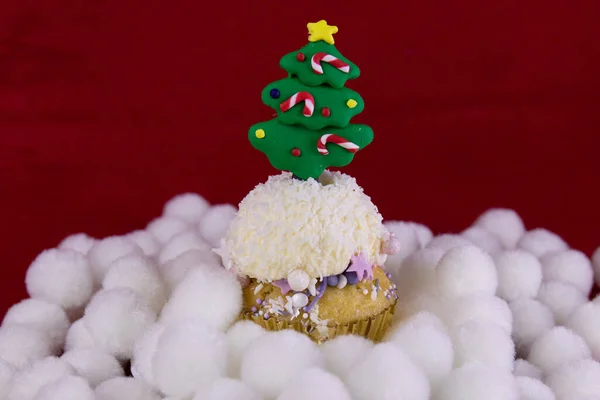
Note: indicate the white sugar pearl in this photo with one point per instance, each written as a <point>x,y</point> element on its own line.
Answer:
<point>504,223</point>
<point>298,280</point>
<point>342,281</point>
<point>299,300</point>
<point>572,267</point>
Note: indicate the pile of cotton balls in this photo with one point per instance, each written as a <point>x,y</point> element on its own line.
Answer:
<point>496,313</point>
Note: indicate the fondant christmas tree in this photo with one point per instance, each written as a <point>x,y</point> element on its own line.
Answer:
<point>312,131</point>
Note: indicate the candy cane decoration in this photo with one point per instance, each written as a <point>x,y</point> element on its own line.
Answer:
<point>340,141</point>
<point>316,60</point>
<point>307,98</point>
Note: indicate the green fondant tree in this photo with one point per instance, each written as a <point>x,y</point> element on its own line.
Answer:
<point>312,131</point>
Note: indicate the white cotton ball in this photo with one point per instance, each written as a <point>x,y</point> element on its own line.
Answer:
<point>179,244</point>
<point>476,382</point>
<point>239,337</point>
<point>227,389</point>
<point>188,207</point>
<point>585,321</point>
<point>46,317</point>
<point>483,239</point>
<point>189,355</point>
<point>79,242</point>
<point>557,346</point>
<point>519,274</point>
<point>540,242</point>
<point>22,345</point>
<point>93,365</point>
<point>561,298</point>
<point>173,271</point>
<point>29,381</point>
<point>215,222</point>
<point>531,319</point>
<point>481,341</point>
<point>533,389</point>
<point>596,264</point>
<point>145,241</point>
<point>409,243</point>
<point>448,241</point>
<point>504,223</point>
<point>269,365</point>
<point>7,372</point>
<point>466,270</point>
<point>570,266</point>
<point>483,307</point>
<point>62,277</point>
<point>144,349</point>
<point>116,318</point>
<point>343,352</point>
<point>315,384</point>
<point>164,228</point>
<point>79,337</point>
<point>386,372</point>
<point>67,388</point>
<point>525,368</point>
<point>427,346</point>
<point>211,294</point>
<point>106,251</point>
<point>423,233</point>
<point>419,303</point>
<point>576,380</point>
<point>138,273</point>
<point>122,388</point>
<point>417,273</point>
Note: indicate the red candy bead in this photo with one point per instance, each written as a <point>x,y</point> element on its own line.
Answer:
<point>296,152</point>
<point>326,112</point>
<point>300,57</point>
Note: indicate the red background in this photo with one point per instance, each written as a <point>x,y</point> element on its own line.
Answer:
<point>109,108</point>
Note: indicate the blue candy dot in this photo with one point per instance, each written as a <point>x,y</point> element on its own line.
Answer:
<point>274,93</point>
<point>332,280</point>
<point>352,278</point>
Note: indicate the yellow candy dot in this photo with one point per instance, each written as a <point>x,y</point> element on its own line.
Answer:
<point>351,103</point>
<point>260,133</point>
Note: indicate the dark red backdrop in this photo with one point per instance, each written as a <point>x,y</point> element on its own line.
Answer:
<point>109,108</point>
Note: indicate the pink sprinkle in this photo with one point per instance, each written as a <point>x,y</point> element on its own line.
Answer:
<point>258,301</point>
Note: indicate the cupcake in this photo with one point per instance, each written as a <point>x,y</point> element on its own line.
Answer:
<point>309,243</point>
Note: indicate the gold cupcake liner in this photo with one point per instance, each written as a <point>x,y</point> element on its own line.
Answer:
<point>373,328</point>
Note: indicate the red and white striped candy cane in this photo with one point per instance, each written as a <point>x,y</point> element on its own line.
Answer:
<point>307,98</point>
<point>340,141</point>
<point>316,60</point>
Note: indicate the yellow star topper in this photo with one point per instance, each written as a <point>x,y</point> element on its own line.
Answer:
<point>321,31</point>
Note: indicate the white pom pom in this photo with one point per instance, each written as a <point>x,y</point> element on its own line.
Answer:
<point>482,307</point>
<point>427,346</point>
<point>476,382</point>
<point>7,372</point>
<point>227,389</point>
<point>270,365</point>
<point>562,299</point>
<point>466,270</point>
<point>22,345</point>
<point>29,381</point>
<point>531,319</point>
<point>533,389</point>
<point>215,222</point>
<point>448,241</point>
<point>343,352</point>
<point>557,346</point>
<point>188,207</point>
<point>504,223</point>
<point>62,277</point>
<point>409,243</point>
<point>585,321</point>
<point>46,317</point>
<point>596,264</point>
<point>572,267</point>
<point>93,365</point>
<point>116,318</point>
<point>417,273</point>
<point>179,244</point>
<point>125,389</point>
<point>483,239</point>
<point>540,242</point>
<point>174,271</point>
<point>480,341</point>
<point>106,251</point>
<point>143,354</point>
<point>67,388</point>
<point>423,233</point>
<point>519,274</point>
<point>79,242</point>
<point>79,337</point>
<point>525,368</point>
<point>145,241</point>
<point>164,228</point>
<point>315,384</point>
<point>138,273</point>
<point>577,380</point>
<point>239,337</point>
<point>387,373</point>
<point>211,294</point>
<point>189,355</point>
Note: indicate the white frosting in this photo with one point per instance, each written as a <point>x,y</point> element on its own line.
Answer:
<point>286,224</point>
